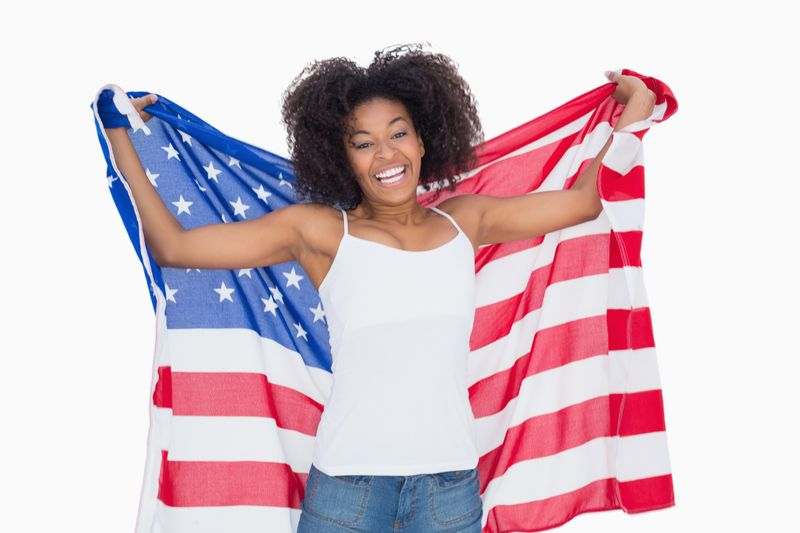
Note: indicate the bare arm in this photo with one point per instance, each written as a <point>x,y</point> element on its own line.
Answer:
<point>503,219</point>
<point>270,239</point>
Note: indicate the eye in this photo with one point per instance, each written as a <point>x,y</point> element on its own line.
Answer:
<point>359,146</point>
<point>399,132</point>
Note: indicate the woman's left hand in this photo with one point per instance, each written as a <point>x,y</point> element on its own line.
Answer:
<point>627,87</point>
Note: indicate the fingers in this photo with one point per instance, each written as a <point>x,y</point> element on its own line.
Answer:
<point>611,75</point>
<point>144,101</point>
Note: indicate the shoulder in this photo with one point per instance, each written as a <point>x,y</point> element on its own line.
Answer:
<point>317,225</point>
<point>466,208</point>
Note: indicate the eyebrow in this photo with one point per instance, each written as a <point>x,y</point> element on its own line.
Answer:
<point>395,119</point>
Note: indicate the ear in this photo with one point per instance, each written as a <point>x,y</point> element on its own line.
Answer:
<point>421,148</point>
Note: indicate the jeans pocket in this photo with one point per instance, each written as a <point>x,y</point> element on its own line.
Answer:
<point>455,477</point>
<point>455,497</point>
<point>339,499</point>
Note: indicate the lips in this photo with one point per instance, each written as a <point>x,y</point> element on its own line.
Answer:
<point>395,179</point>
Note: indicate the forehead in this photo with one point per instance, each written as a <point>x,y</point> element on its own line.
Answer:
<point>376,114</point>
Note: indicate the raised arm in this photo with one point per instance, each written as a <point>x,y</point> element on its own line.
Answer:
<point>504,219</point>
<point>270,239</point>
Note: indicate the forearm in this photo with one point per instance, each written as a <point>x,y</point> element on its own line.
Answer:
<point>636,109</point>
<point>160,227</point>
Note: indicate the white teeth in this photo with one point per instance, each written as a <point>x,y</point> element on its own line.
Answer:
<point>387,173</point>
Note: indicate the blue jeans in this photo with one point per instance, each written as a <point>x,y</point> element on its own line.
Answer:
<point>423,503</point>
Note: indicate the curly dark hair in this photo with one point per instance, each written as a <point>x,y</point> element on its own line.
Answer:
<point>318,102</point>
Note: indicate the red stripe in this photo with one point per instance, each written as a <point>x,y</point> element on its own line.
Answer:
<point>552,347</point>
<point>573,259</point>
<point>603,495</point>
<point>217,483</point>
<point>615,187</point>
<point>239,394</point>
<point>162,395</point>
<point>625,249</point>
<point>630,329</point>
<point>572,426</point>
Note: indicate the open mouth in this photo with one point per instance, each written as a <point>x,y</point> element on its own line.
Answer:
<point>393,176</point>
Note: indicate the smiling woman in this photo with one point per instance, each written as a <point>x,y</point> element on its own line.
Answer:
<point>345,123</point>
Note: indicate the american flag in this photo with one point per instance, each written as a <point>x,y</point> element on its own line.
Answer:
<point>564,382</point>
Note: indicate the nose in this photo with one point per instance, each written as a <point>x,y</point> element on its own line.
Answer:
<point>385,150</point>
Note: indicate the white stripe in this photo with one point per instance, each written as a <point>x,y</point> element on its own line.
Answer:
<point>540,478</point>
<point>239,438</point>
<point>563,302</point>
<point>508,276</point>
<point>244,350</point>
<point>230,519</point>
<point>253,438</point>
<point>570,384</point>
<point>624,153</point>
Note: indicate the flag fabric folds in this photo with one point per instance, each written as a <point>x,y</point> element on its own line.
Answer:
<point>564,382</point>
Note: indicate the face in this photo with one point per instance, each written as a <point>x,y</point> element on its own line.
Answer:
<point>384,151</point>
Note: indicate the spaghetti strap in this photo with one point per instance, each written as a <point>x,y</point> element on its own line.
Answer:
<point>344,216</point>
<point>446,214</point>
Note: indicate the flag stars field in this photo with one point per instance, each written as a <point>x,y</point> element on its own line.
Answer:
<point>224,292</point>
<point>152,177</point>
<point>170,293</point>
<point>212,172</point>
<point>171,152</point>
<point>238,207</point>
<point>183,206</point>
<point>262,193</point>
<point>185,137</point>
<point>319,313</point>
<point>300,331</point>
<point>270,305</point>
<point>283,181</point>
<point>233,162</point>
<point>276,293</point>
<point>293,278</point>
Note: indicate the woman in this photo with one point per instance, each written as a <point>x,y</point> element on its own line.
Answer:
<point>395,278</point>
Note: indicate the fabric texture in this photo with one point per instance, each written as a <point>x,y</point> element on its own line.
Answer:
<point>562,371</point>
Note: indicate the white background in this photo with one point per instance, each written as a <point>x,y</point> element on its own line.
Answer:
<point>719,244</point>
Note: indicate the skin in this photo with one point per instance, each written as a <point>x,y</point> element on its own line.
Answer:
<point>310,232</point>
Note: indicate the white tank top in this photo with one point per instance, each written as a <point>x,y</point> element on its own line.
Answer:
<point>400,323</point>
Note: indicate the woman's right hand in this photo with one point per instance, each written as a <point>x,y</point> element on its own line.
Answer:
<point>143,101</point>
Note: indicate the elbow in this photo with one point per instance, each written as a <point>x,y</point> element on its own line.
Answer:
<point>593,208</point>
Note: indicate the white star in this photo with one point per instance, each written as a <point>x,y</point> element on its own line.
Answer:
<point>111,180</point>
<point>234,162</point>
<point>152,177</point>
<point>190,269</point>
<point>276,293</point>
<point>270,305</point>
<point>202,189</point>
<point>319,313</point>
<point>283,181</point>
<point>300,331</point>
<point>212,172</point>
<point>171,293</point>
<point>185,137</point>
<point>293,278</point>
<point>183,205</point>
<point>245,272</point>
<point>171,152</point>
<point>262,193</point>
<point>238,207</point>
<point>223,218</point>
<point>224,292</point>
